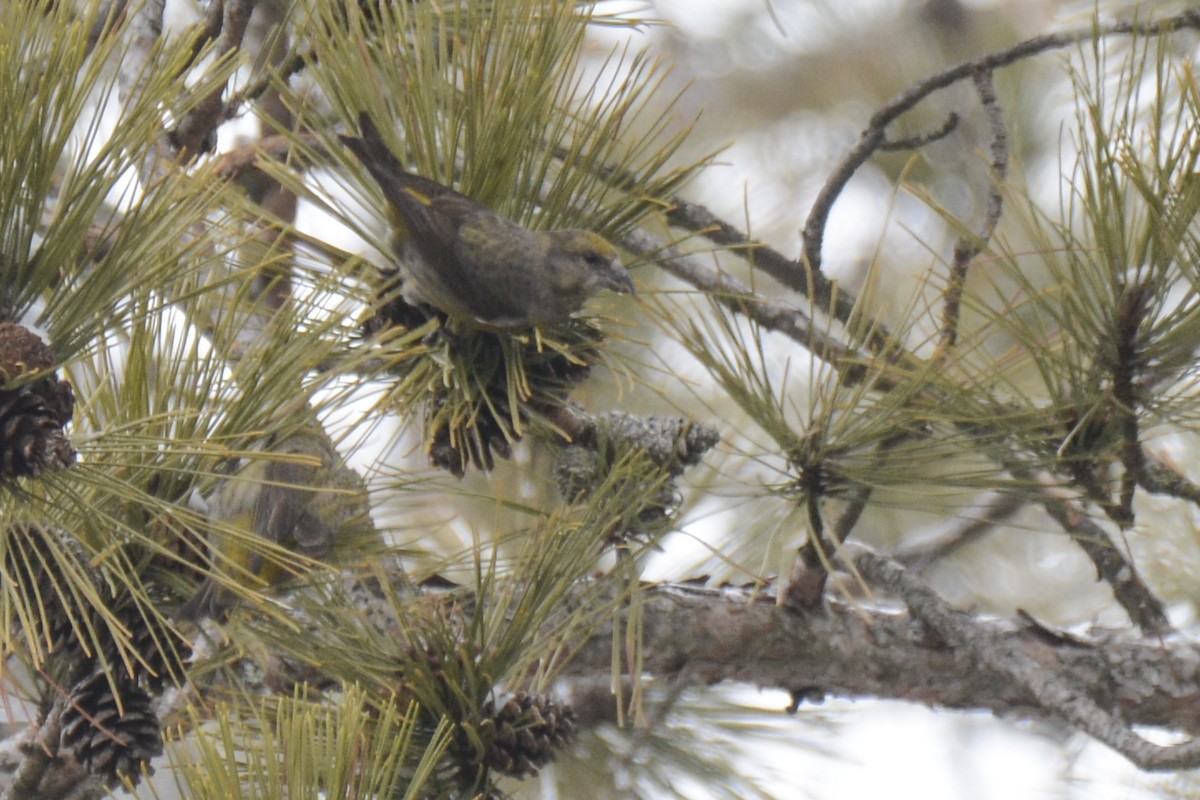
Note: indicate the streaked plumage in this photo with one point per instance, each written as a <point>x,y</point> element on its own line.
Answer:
<point>474,264</point>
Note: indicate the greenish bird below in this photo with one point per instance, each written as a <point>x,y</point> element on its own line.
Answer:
<point>297,493</point>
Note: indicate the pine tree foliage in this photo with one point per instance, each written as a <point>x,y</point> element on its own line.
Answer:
<point>148,277</point>
<point>167,317</point>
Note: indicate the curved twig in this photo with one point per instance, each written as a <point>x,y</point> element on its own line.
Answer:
<point>874,136</point>
<point>967,249</point>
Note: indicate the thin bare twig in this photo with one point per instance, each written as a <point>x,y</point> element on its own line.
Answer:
<point>967,249</point>
<point>1160,478</point>
<point>875,134</point>
<point>733,294</point>
<point>279,73</point>
<point>196,132</point>
<point>922,139</point>
<point>1145,610</point>
<point>236,162</point>
<point>997,508</point>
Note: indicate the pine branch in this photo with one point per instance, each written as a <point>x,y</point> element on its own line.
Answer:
<point>695,636</point>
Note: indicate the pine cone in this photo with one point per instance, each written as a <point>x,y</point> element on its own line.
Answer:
<point>160,648</point>
<point>483,441</point>
<point>31,437</point>
<point>35,569</point>
<point>22,351</point>
<point>526,733</point>
<point>106,742</point>
<point>480,425</point>
<point>32,415</point>
<point>58,396</point>
<point>674,443</point>
<point>666,445</point>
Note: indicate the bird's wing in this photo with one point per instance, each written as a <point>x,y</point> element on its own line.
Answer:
<point>455,236</point>
<point>286,492</point>
<point>506,256</point>
<point>313,533</point>
<point>412,196</point>
<point>425,211</point>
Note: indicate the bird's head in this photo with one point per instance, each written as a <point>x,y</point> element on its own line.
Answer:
<point>589,261</point>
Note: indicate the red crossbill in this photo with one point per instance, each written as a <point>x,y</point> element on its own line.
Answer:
<point>474,264</point>
<point>298,493</point>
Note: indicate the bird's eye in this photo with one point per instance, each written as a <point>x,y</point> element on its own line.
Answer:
<point>594,259</point>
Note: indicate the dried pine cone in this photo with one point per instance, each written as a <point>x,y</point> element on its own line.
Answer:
<point>108,743</point>
<point>526,732</point>
<point>666,445</point>
<point>488,363</point>
<point>469,411</point>
<point>158,651</point>
<point>32,415</point>
<point>22,351</point>
<point>671,442</point>
<point>483,441</point>
<point>31,437</point>
<point>38,583</point>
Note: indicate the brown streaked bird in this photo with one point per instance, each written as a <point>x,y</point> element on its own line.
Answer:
<point>477,265</point>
